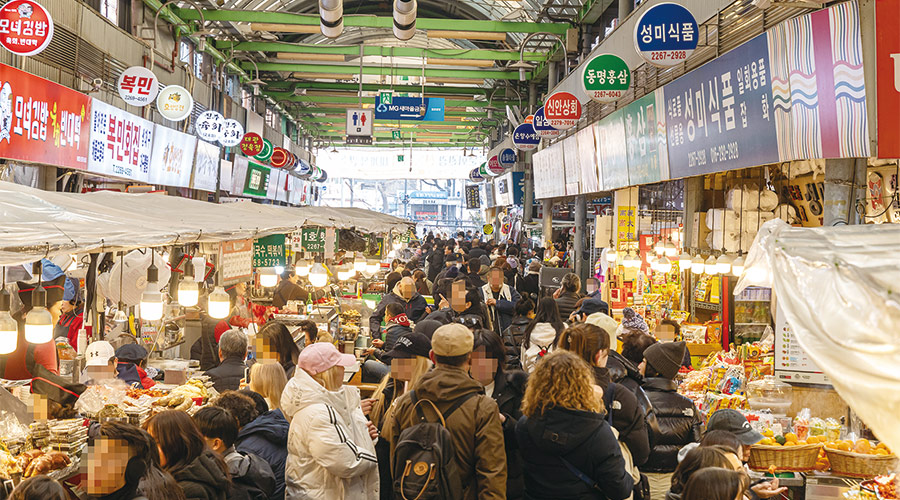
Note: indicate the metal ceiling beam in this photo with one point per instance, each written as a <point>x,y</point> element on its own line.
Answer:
<point>341,112</point>
<point>375,87</point>
<point>383,22</point>
<point>368,50</point>
<point>383,71</point>
<point>286,96</point>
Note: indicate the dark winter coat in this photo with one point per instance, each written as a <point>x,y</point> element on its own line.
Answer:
<point>509,389</point>
<point>414,309</point>
<point>566,304</point>
<point>392,333</point>
<point>504,310</point>
<point>202,479</point>
<point>227,376</point>
<point>266,437</point>
<point>677,424</point>
<point>251,477</point>
<point>435,264</point>
<point>627,417</point>
<point>529,286</point>
<point>586,441</point>
<point>512,340</point>
<point>623,372</point>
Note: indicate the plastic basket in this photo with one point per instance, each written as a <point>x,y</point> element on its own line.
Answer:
<point>858,465</point>
<point>784,458</point>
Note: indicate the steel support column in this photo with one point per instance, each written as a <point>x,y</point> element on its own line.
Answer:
<point>579,247</point>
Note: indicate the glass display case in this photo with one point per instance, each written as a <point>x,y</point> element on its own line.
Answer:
<point>752,314</point>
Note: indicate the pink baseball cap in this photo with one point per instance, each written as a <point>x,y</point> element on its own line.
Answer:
<point>318,357</point>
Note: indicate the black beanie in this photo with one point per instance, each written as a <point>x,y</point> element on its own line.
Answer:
<point>666,357</point>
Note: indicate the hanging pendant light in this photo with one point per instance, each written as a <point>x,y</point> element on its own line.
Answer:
<point>218,304</point>
<point>654,263</point>
<point>698,265</point>
<point>611,255</point>
<point>268,277</point>
<point>151,299</point>
<point>684,261</point>
<point>372,266</point>
<point>359,263</point>
<point>664,265</point>
<point>9,330</point>
<point>737,267</point>
<point>188,290</point>
<point>670,249</point>
<point>711,267</point>
<point>632,261</point>
<point>723,264</point>
<point>660,247</point>
<point>318,275</point>
<point>302,268</point>
<point>344,272</point>
<point>38,321</point>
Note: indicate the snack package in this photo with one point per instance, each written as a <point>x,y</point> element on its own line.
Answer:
<point>801,424</point>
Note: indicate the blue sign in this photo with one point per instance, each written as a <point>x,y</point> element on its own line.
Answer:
<point>525,138</point>
<point>507,158</point>
<point>720,116</point>
<point>666,34</point>
<point>475,175</point>
<point>303,167</point>
<point>542,125</point>
<point>410,108</point>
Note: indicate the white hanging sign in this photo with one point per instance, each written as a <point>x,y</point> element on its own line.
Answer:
<point>138,86</point>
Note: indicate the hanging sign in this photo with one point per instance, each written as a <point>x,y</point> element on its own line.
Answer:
<point>494,166</point>
<point>359,122</point>
<point>410,108</point>
<point>27,130</point>
<point>138,86</point>
<point>120,143</point>
<point>542,125</point>
<point>232,133</point>
<point>172,157</point>
<point>483,171</point>
<point>280,158</point>
<point>475,175</point>
<point>666,34</point>
<point>174,103</point>
<point>507,158</point>
<point>251,144</point>
<point>529,119</point>
<point>209,126</point>
<point>473,197</point>
<point>266,152</point>
<point>487,229</point>
<point>25,27</point>
<point>606,78</point>
<point>563,110</point>
<point>887,68</point>
<point>525,138</point>
<point>206,167</point>
<point>256,182</point>
<point>304,168</point>
<point>269,251</point>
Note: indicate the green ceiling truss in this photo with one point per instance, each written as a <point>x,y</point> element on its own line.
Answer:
<point>350,99</point>
<point>377,87</point>
<point>371,50</point>
<point>343,69</point>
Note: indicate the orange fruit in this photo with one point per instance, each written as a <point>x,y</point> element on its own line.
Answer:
<point>790,443</point>
<point>881,445</point>
<point>790,436</point>
<point>863,446</point>
<point>881,452</point>
<point>844,446</point>
<point>801,443</point>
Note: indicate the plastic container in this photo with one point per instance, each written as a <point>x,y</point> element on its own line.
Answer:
<point>770,394</point>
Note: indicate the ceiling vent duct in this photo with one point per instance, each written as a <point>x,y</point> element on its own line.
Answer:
<point>404,19</point>
<point>331,17</point>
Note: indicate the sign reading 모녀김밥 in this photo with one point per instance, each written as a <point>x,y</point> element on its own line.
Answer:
<point>120,143</point>
<point>26,27</point>
<point>42,121</point>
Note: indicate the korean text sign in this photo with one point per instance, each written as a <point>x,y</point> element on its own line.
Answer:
<point>645,132</point>
<point>172,158</point>
<point>41,121</point>
<point>888,69</point>
<point>26,27</point>
<point>313,239</point>
<point>120,143</point>
<point>269,251</point>
<point>720,116</point>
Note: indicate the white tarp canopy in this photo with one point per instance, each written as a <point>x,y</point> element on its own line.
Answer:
<point>35,223</point>
<point>838,288</point>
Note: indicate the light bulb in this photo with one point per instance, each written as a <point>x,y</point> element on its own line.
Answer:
<point>344,273</point>
<point>670,249</point>
<point>397,245</point>
<point>39,325</point>
<point>120,316</point>
<point>631,261</point>
<point>318,276</point>
<point>723,264</point>
<point>219,304</point>
<point>188,292</point>
<point>611,255</point>
<point>659,247</point>
<point>359,264</point>
<point>664,265</point>
<point>151,304</point>
<point>301,268</point>
<point>697,265</point>
<point>372,266</point>
<point>9,333</point>
<point>737,267</point>
<point>710,266</point>
<point>268,277</point>
<point>654,263</point>
<point>684,261</point>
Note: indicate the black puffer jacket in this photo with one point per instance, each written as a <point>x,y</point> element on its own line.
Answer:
<point>566,304</point>
<point>509,389</point>
<point>202,479</point>
<point>414,309</point>
<point>586,441</point>
<point>227,376</point>
<point>627,417</point>
<point>391,334</point>
<point>622,371</point>
<point>512,341</point>
<point>529,287</point>
<point>678,423</point>
<point>251,477</point>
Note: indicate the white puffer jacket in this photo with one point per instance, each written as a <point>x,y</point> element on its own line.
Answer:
<point>541,339</point>
<point>330,453</point>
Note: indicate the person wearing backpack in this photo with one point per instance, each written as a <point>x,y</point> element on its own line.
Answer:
<point>567,445</point>
<point>541,335</point>
<point>445,434</point>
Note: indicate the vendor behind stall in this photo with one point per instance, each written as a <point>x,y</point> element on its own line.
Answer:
<point>101,366</point>
<point>15,366</point>
<point>72,317</point>
<point>132,361</point>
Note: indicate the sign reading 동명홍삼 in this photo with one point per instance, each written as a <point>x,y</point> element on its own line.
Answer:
<point>606,78</point>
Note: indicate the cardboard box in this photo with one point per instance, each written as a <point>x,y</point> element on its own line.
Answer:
<point>699,231</point>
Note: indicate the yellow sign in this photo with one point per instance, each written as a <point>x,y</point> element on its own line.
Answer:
<point>626,227</point>
<point>488,229</point>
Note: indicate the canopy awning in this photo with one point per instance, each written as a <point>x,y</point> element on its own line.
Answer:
<point>36,223</point>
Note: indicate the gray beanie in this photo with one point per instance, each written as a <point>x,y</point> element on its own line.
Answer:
<point>666,357</point>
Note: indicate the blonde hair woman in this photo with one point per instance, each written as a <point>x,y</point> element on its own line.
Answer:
<point>567,445</point>
<point>331,454</point>
<point>268,380</point>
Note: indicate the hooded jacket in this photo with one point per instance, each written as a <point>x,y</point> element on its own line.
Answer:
<point>266,437</point>
<point>475,429</point>
<point>392,333</point>
<point>251,477</point>
<point>512,341</point>
<point>414,308</point>
<point>540,345</point>
<point>586,441</point>
<point>505,308</point>
<point>677,424</point>
<point>202,479</point>
<point>529,285</point>
<point>133,374</point>
<point>627,417</point>
<point>566,304</point>
<point>330,453</point>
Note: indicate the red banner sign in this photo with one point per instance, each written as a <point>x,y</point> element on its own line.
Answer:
<point>42,121</point>
<point>562,110</point>
<point>280,158</point>
<point>251,144</point>
<point>25,27</point>
<point>887,38</point>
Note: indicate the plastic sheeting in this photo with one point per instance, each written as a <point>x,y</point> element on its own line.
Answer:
<point>838,287</point>
<point>35,223</point>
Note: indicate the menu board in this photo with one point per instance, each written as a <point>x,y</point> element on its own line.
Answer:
<point>792,364</point>
<point>473,197</point>
<point>269,251</point>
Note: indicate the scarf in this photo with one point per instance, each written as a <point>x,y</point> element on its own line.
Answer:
<point>400,319</point>
<point>634,321</point>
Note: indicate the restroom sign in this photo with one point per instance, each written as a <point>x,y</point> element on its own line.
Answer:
<point>359,122</point>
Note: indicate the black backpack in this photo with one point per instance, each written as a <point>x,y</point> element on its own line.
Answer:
<point>424,463</point>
